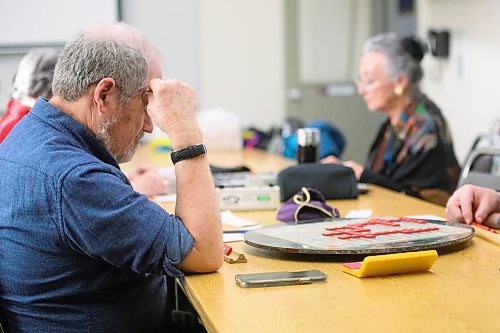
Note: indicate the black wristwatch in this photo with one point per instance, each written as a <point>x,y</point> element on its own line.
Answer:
<point>188,152</point>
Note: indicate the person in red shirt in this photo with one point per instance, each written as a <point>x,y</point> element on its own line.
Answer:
<point>33,79</point>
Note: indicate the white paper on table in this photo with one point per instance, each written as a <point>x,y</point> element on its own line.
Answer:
<point>359,213</point>
<point>230,219</point>
<point>233,237</point>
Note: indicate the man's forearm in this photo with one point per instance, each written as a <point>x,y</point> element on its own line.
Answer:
<point>198,207</point>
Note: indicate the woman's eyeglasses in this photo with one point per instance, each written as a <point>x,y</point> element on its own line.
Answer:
<point>369,84</point>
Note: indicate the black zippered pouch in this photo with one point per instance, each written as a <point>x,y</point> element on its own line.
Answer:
<point>334,181</point>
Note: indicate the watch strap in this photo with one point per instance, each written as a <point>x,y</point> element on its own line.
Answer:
<point>188,152</point>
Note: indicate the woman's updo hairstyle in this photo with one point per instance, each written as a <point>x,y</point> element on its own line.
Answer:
<point>404,55</point>
<point>414,47</point>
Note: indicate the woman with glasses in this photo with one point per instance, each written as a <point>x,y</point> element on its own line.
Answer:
<point>412,151</point>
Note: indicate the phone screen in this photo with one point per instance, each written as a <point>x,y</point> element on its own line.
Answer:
<point>279,278</point>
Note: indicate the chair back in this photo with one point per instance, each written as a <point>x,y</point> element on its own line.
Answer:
<point>481,168</point>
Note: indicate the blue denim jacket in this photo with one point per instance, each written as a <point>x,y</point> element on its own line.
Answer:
<point>80,250</point>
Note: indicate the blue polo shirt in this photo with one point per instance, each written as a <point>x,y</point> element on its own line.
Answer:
<point>80,250</point>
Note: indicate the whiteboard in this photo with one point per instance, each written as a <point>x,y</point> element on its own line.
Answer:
<point>51,22</point>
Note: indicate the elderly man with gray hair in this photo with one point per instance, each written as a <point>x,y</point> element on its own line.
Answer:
<point>33,79</point>
<point>81,251</point>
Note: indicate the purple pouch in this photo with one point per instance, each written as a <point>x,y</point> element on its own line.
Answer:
<point>307,204</point>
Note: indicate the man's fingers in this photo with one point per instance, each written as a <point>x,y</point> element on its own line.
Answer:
<point>453,211</point>
<point>466,201</point>
<point>493,221</point>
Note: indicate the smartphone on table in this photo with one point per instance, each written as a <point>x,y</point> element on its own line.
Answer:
<point>271,279</point>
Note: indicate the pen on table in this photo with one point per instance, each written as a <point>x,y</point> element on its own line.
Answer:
<point>488,235</point>
<point>482,226</point>
<point>234,231</point>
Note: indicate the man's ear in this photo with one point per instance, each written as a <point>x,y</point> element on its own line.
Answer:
<point>102,91</point>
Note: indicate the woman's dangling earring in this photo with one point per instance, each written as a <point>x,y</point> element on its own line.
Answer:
<point>398,90</point>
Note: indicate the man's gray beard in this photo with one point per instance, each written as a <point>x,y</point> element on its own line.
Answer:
<point>105,138</point>
<point>130,151</point>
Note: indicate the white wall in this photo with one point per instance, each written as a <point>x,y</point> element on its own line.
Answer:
<point>242,59</point>
<point>20,27</point>
<point>8,65</point>
<point>173,26</point>
<point>465,86</point>
<point>25,21</point>
<point>230,51</point>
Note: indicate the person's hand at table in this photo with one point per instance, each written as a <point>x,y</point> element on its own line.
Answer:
<point>148,181</point>
<point>474,204</point>
<point>356,167</point>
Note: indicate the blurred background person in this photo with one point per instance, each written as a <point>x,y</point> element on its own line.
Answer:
<point>33,79</point>
<point>147,180</point>
<point>412,151</point>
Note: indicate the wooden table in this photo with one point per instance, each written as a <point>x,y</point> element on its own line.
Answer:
<point>460,294</point>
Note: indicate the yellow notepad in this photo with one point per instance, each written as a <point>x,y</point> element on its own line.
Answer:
<point>396,263</point>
